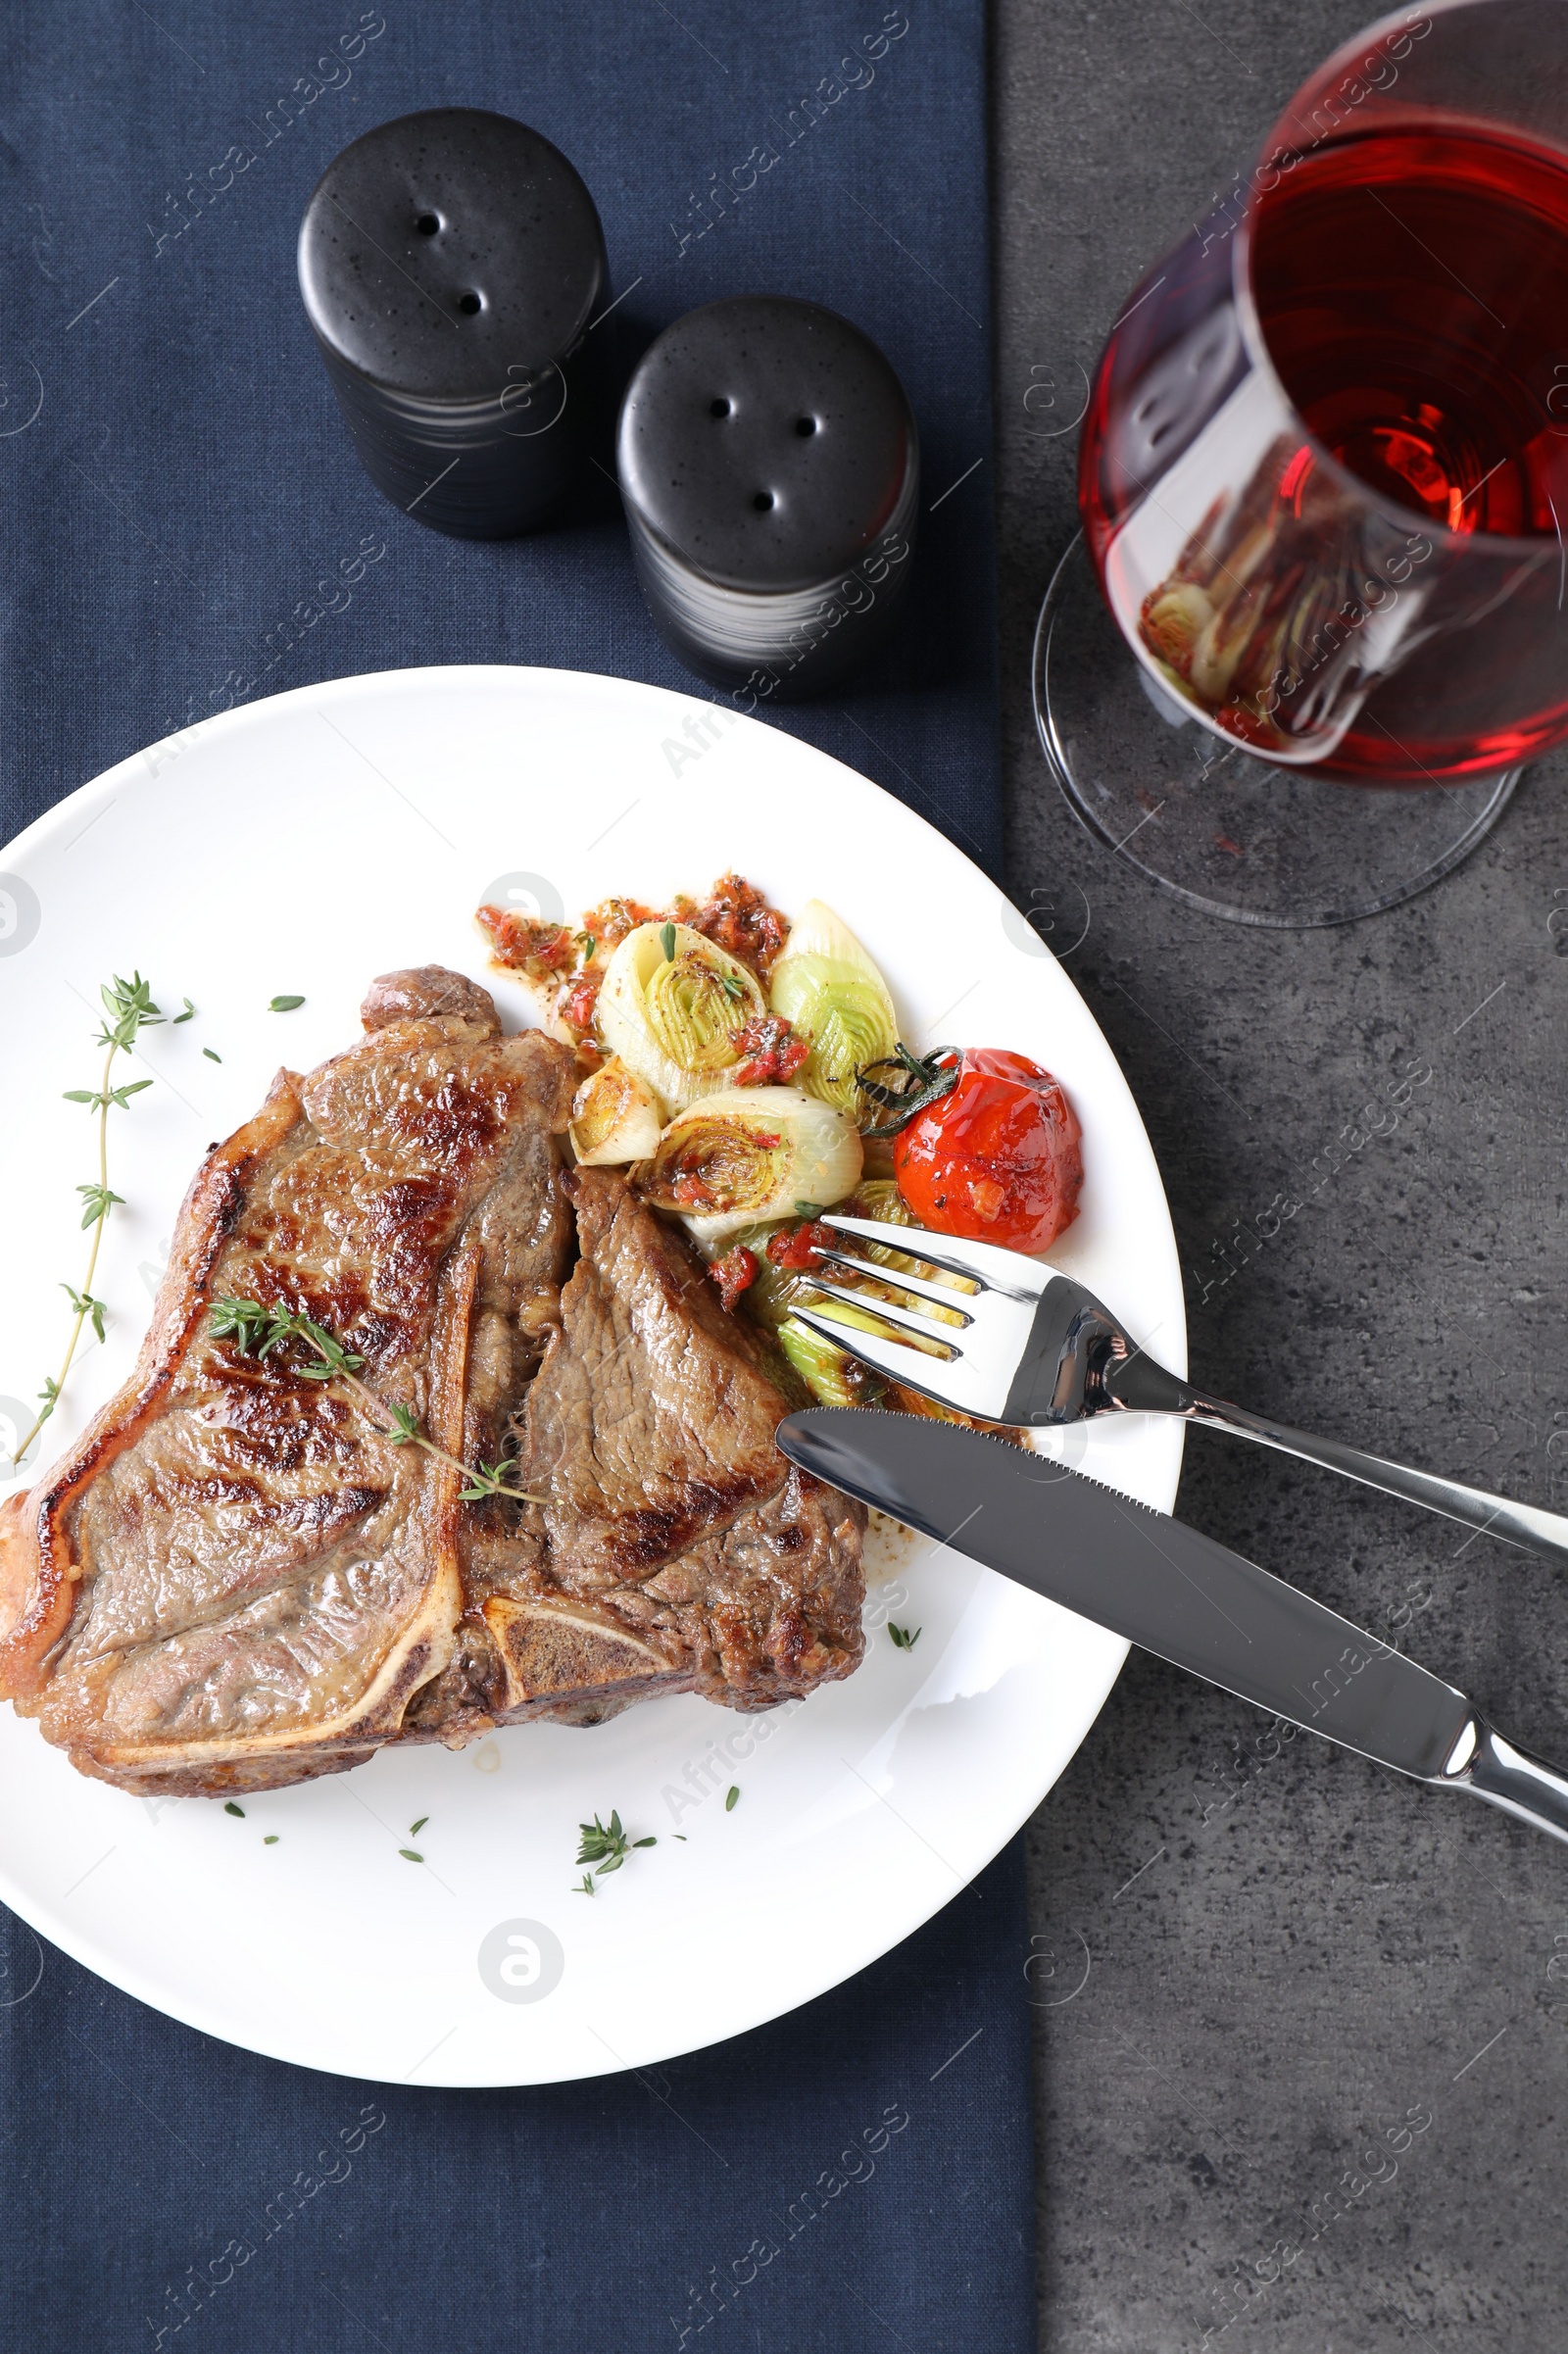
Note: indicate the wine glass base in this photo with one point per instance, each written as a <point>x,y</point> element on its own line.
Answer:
<point>1224,829</point>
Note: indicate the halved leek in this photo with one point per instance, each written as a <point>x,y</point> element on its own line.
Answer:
<point>749,1154</point>
<point>615,1117</point>
<point>833,1377</point>
<point>672,1007</point>
<point>828,989</point>
<point>880,1198</point>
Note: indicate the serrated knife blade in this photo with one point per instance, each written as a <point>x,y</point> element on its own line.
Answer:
<point>1174,1591</point>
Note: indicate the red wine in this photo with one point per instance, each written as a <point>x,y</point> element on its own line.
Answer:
<point>1412,290</point>
<point>1324,469</point>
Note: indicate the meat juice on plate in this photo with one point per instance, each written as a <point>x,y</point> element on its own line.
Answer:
<point>1411,290</point>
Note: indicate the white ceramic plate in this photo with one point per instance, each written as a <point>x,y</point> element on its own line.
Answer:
<point>303,844</point>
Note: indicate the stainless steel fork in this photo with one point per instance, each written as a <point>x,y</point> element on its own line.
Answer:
<point>1036,1348</point>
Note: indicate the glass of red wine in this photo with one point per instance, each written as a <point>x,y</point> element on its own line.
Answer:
<point>1323,478</point>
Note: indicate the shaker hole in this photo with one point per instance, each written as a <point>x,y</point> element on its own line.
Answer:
<point>470,304</point>
<point>762,501</point>
<point>806,427</point>
<point>427,225</point>
<point>718,408</point>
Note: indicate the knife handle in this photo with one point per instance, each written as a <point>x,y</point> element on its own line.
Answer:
<point>1492,1768</point>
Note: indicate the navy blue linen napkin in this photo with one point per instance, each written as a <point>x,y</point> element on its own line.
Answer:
<point>175,487</point>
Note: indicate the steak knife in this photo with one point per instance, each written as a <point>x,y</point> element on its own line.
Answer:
<point>1176,1592</point>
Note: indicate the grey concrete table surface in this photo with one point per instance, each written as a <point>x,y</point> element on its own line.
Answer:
<point>1302,2049</point>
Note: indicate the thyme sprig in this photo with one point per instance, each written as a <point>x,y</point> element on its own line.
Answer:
<point>129,1010</point>
<point>911,1085</point>
<point>257,1330</point>
<point>606,1846</point>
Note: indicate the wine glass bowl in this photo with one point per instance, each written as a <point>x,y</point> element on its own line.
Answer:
<point>1324,469</point>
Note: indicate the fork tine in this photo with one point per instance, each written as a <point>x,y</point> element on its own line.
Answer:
<point>960,1384</point>
<point>926,1328</point>
<point>942,1294</point>
<point>984,1263</point>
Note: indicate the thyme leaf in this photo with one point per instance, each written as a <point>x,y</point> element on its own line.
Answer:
<point>493,1479</point>
<point>86,1305</point>
<point>129,1007</point>
<point>901,1637</point>
<point>667,935</point>
<point>607,1845</point>
<point>97,1202</point>
<point>285,1004</point>
<point>102,1098</point>
<point>731,1796</point>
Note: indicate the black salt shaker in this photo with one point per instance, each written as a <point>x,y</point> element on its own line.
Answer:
<point>769,467</point>
<point>451,264</point>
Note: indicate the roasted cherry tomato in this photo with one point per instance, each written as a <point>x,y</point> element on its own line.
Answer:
<point>999,1157</point>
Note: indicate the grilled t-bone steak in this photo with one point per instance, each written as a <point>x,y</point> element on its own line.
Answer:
<point>234,1580</point>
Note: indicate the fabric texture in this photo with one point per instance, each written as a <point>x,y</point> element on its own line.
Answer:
<point>181,508</point>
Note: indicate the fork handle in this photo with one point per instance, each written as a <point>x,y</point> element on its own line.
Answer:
<point>1140,1386</point>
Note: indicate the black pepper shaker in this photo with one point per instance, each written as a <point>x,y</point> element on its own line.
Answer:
<point>453,265</point>
<point>769,467</point>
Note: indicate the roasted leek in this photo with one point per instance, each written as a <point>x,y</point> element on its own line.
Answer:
<point>673,1007</point>
<point>615,1117</point>
<point>750,1154</point>
<point>828,988</point>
